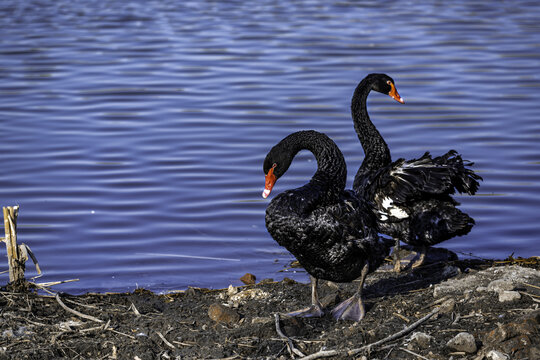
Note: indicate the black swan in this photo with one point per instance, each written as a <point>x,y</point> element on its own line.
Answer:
<point>411,198</point>
<point>328,229</point>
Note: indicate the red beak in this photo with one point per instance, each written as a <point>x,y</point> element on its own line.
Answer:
<point>394,94</point>
<point>269,181</point>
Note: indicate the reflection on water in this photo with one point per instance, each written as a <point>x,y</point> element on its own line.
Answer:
<point>133,132</point>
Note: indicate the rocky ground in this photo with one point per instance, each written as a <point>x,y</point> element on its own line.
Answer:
<point>445,310</point>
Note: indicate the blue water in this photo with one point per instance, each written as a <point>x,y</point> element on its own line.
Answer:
<point>133,132</point>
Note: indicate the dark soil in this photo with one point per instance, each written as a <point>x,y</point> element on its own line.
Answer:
<point>195,324</point>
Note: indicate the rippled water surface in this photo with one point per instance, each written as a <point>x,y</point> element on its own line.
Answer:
<point>133,132</point>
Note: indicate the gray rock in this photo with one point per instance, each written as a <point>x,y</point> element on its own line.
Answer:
<point>500,285</point>
<point>506,296</point>
<point>419,340</point>
<point>492,279</point>
<point>450,271</point>
<point>463,342</point>
<point>497,355</point>
<point>447,306</point>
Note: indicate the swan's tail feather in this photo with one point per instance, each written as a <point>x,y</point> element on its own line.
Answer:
<point>442,175</point>
<point>437,221</point>
<point>463,179</point>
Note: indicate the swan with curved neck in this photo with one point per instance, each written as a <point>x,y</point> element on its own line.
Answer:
<point>412,198</point>
<point>328,229</point>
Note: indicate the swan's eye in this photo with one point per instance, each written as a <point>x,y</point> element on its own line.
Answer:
<point>274,166</point>
<point>389,82</point>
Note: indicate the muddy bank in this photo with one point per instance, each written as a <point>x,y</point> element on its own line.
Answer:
<point>479,310</point>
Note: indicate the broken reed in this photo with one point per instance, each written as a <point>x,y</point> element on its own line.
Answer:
<point>17,254</point>
<point>15,258</point>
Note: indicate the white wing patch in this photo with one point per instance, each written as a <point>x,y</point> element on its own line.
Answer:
<point>392,210</point>
<point>387,202</point>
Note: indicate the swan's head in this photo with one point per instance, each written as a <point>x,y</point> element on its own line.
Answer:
<point>275,165</point>
<point>385,85</point>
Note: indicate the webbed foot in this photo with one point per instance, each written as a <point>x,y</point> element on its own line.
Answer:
<point>350,309</point>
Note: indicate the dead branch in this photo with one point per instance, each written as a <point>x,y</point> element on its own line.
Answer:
<point>166,341</point>
<point>79,314</point>
<point>413,353</point>
<point>290,345</point>
<point>134,309</point>
<point>329,353</point>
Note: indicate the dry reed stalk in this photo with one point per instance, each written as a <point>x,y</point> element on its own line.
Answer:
<point>16,260</point>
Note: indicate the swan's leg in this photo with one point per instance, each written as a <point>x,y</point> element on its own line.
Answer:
<point>315,310</point>
<point>420,261</point>
<point>352,308</point>
<point>397,259</point>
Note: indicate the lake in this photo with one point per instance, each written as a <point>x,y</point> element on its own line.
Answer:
<point>133,132</point>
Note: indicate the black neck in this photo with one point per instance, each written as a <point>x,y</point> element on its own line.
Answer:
<point>330,178</point>
<point>376,151</point>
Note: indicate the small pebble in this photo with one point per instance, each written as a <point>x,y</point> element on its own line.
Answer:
<point>447,306</point>
<point>246,295</point>
<point>221,313</point>
<point>506,296</point>
<point>248,279</point>
<point>497,355</point>
<point>463,342</point>
<point>500,285</point>
<point>419,340</point>
<point>450,271</point>
<point>231,290</point>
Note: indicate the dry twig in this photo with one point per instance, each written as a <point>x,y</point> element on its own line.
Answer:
<point>531,285</point>
<point>166,341</point>
<point>134,309</point>
<point>81,304</point>
<point>121,333</point>
<point>51,283</point>
<point>329,353</point>
<point>530,295</point>
<point>97,328</point>
<point>401,317</point>
<point>79,314</point>
<point>413,353</point>
<point>290,344</point>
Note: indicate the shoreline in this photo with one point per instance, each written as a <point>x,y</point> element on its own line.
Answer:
<point>494,305</point>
